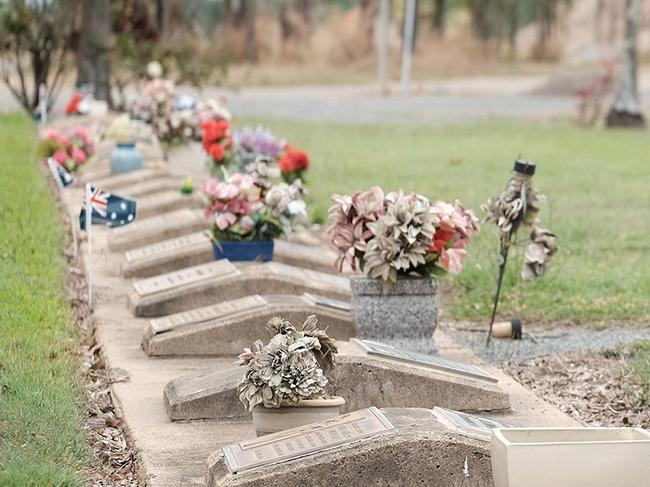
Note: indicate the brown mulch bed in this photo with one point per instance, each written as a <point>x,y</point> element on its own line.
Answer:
<point>116,463</point>
<point>596,388</point>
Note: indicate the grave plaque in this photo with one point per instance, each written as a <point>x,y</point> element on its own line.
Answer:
<point>384,350</point>
<point>207,313</point>
<point>468,424</point>
<point>192,275</point>
<point>305,275</point>
<point>319,300</point>
<point>166,246</point>
<point>306,440</point>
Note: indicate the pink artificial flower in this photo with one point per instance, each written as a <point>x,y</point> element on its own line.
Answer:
<point>210,188</point>
<point>452,260</point>
<point>247,223</point>
<point>224,220</point>
<point>79,156</point>
<point>81,133</point>
<point>60,156</point>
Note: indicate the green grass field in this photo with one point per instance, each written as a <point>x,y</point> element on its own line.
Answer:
<point>597,182</point>
<point>41,399</point>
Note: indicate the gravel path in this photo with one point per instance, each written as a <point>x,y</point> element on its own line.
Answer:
<point>546,342</point>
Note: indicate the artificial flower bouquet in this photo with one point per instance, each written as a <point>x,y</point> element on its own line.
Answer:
<point>394,235</point>
<point>71,150</point>
<point>289,368</point>
<point>243,208</point>
<point>217,143</point>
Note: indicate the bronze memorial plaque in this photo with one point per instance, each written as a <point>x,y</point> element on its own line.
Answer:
<point>307,440</point>
<point>207,313</point>
<point>166,246</point>
<point>191,275</point>
<point>384,350</point>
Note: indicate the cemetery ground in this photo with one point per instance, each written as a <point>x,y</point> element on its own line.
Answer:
<point>599,206</point>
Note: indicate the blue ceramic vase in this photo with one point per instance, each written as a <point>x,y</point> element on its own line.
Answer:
<point>125,158</point>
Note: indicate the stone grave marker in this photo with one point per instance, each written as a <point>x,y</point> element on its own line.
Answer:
<point>157,296</point>
<point>153,229</point>
<point>102,177</point>
<point>400,447</point>
<point>196,249</point>
<point>468,424</point>
<point>301,441</point>
<point>168,255</point>
<point>363,380</point>
<point>225,328</point>
<point>165,201</point>
<point>315,257</point>
<point>150,186</point>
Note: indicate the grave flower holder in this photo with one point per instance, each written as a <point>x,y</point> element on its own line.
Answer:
<point>243,250</point>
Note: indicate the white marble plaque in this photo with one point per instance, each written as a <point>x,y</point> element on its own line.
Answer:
<point>328,302</point>
<point>384,350</point>
<point>167,246</point>
<point>191,275</point>
<point>305,275</point>
<point>468,424</point>
<point>307,440</point>
<point>207,313</point>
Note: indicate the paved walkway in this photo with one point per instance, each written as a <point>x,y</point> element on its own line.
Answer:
<point>431,103</point>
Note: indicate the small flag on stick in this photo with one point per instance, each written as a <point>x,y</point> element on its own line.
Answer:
<point>62,177</point>
<point>108,209</point>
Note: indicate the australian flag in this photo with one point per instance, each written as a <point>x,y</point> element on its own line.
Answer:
<point>59,172</point>
<point>108,209</point>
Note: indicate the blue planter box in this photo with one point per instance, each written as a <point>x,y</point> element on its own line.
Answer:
<point>244,250</point>
<point>125,158</point>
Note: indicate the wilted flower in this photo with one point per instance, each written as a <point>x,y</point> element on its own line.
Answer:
<point>538,253</point>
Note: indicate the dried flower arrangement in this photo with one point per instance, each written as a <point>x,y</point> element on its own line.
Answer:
<point>288,368</point>
<point>396,235</point>
<point>516,207</point>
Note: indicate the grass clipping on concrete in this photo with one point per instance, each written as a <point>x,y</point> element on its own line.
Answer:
<point>596,181</point>
<point>41,394</point>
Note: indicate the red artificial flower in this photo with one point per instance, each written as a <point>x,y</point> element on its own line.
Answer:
<point>73,105</point>
<point>214,130</point>
<point>216,151</point>
<point>293,160</point>
<point>440,239</point>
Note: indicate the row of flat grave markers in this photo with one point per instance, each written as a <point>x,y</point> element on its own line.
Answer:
<point>385,350</point>
<point>357,426</point>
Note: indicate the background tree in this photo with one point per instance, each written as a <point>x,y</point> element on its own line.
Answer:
<point>35,39</point>
<point>626,111</point>
<point>93,52</point>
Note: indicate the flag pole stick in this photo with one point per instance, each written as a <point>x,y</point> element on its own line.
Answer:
<point>89,226</point>
<point>51,164</point>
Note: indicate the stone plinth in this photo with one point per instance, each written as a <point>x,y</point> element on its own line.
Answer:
<point>221,281</point>
<point>153,229</point>
<point>362,380</point>
<point>101,176</point>
<point>150,186</point>
<point>315,257</point>
<point>166,201</point>
<point>225,329</point>
<point>419,450</point>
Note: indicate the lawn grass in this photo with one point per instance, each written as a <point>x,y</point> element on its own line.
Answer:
<point>41,397</point>
<point>640,366</point>
<point>597,182</point>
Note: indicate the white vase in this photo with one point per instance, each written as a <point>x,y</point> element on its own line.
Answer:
<point>306,411</point>
<point>570,457</point>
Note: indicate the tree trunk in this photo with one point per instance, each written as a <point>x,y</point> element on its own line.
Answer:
<point>626,111</point>
<point>93,65</point>
<point>438,16</point>
<point>250,47</point>
<point>513,26</point>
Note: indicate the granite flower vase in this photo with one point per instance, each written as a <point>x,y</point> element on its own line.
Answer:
<point>125,158</point>
<point>243,250</point>
<point>306,411</point>
<point>406,312</point>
